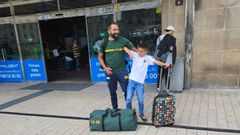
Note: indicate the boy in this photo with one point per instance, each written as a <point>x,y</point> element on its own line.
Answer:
<point>141,61</point>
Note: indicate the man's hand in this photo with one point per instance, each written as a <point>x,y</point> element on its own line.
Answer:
<point>108,71</point>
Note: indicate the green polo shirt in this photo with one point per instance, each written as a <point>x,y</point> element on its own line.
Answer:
<point>115,55</point>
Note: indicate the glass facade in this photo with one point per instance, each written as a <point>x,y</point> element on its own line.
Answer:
<point>4,12</point>
<point>142,25</point>
<point>29,41</point>
<point>8,43</point>
<point>3,1</point>
<point>31,50</point>
<point>96,26</point>
<point>10,66</point>
<point>36,8</point>
<point>71,4</point>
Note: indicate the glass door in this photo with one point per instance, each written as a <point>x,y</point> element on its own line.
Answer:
<point>142,25</point>
<point>32,52</point>
<point>96,26</point>
<point>10,65</point>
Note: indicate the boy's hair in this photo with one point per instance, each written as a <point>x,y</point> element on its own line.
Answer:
<point>143,45</point>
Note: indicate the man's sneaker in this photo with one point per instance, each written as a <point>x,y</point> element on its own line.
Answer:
<point>143,118</point>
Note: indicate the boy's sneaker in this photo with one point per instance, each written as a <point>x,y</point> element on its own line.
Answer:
<point>143,118</point>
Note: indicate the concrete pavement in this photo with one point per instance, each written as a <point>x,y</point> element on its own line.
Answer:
<point>211,108</point>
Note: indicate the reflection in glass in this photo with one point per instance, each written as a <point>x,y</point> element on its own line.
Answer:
<point>8,44</point>
<point>29,41</point>
<point>142,25</point>
<point>96,26</point>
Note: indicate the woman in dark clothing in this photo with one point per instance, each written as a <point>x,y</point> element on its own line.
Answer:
<point>166,43</point>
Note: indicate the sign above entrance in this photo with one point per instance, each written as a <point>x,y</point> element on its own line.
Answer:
<point>117,8</point>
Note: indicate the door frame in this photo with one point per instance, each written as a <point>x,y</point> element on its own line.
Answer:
<point>87,36</point>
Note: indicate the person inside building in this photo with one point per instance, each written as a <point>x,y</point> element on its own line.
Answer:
<point>76,54</point>
<point>166,43</point>
<point>112,59</point>
<point>57,54</point>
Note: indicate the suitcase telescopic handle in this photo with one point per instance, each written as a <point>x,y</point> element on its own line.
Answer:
<point>160,80</point>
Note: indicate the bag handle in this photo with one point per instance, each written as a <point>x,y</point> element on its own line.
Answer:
<point>104,115</point>
<point>113,114</point>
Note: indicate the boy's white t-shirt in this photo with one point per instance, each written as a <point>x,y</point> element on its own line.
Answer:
<point>140,67</point>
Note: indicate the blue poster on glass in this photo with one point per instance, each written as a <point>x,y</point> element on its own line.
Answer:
<point>98,74</point>
<point>152,74</point>
<point>10,71</point>
<point>34,70</point>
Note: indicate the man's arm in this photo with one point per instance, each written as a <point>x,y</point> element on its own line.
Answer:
<point>129,45</point>
<point>128,52</point>
<point>107,69</point>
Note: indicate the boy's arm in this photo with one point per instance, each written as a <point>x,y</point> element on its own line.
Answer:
<point>128,52</point>
<point>161,63</point>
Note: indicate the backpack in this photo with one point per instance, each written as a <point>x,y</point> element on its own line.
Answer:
<point>104,46</point>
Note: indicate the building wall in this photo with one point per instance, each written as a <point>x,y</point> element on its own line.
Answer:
<point>174,15</point>
<point>216,46</point>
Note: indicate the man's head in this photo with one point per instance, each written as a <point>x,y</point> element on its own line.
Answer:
<point>113,30</point>
<point>170,30</point>
<point>74,41</point>
<point>142,49</point>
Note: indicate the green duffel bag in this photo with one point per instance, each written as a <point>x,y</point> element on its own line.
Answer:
<point>109,120</point>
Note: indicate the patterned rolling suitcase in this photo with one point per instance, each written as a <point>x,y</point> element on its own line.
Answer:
<point>163,110</point>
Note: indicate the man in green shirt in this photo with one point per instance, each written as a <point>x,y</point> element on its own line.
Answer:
<point>114,63</point>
